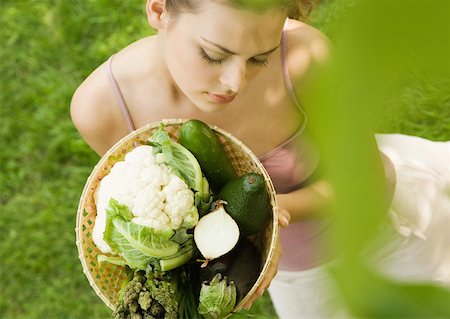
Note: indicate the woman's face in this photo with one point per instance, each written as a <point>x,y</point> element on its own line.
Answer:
<point>214,53</point>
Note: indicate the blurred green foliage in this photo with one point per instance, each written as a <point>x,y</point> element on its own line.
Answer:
<point>48,48</point>
<point>388,55</point>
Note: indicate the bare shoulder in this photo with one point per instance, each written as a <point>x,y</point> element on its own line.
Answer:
<point>307,47</point>
<point>95,111</point>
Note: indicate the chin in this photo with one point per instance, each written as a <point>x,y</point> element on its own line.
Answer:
<point>209,107</point>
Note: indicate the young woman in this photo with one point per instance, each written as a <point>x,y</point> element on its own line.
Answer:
<point>222,64</point>
<point>233,66</point>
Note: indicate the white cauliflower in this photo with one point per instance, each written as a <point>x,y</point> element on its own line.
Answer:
<point>144,183</point>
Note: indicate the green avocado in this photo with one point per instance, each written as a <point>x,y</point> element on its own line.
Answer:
<point>248,202</point>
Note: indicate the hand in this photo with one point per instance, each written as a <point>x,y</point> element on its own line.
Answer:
<point>283,220</point>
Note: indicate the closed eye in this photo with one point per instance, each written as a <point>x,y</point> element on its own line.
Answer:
<point>262,63</point>
<point>208,59</point>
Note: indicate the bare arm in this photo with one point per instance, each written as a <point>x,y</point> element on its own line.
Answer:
<point>308,202</point>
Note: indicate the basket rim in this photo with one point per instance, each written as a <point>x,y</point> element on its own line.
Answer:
<point>166,122</point>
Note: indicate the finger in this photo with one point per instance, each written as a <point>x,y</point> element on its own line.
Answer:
<point>284,217</point>
<point>261,291</point>
<point>257,294</point>
<point>266,283</point>
<point>249,303</point>
<point>252,299</point>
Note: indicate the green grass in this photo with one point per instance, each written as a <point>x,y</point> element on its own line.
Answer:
<point>48,48</point>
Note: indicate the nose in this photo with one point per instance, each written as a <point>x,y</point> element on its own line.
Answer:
<point>234,77</point>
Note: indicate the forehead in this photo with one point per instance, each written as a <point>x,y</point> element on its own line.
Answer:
<point>238,29</point>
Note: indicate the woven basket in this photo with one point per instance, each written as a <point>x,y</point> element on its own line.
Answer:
<point>106,280</point>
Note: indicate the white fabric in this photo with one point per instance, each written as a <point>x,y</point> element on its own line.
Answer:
<point>417,245</point>
<point>305,294</point>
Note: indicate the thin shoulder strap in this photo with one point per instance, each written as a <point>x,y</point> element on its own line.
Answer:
<point>287,78</point>
<point>123,105</point>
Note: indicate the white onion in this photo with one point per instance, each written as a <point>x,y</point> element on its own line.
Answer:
<point>216,233</point>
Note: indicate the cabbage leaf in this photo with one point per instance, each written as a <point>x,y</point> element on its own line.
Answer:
<point>217,298</point>
<point>136,243</point>
<point>183,164</point>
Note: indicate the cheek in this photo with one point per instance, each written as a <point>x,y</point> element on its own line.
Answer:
<point>200,70</point>
<point>199,76</point>
<point>188,68</point>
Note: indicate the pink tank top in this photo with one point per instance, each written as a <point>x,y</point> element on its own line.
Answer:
<point>291,165</point>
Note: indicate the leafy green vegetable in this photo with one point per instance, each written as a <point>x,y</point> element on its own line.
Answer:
<point>137,243</point>
<point>181,161</point>
<point>187,166</point>
<point>217,298</point>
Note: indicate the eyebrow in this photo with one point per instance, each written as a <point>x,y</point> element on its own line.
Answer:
<point>234,53</point>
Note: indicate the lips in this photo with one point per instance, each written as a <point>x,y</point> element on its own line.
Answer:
<point>221,99</point>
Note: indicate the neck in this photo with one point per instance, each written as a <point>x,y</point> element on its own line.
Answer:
<point>159,64</point>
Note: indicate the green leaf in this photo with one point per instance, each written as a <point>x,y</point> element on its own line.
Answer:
<point>188,166</point>
<point>203,199</point>
<point>137,243</point>
<point>203,207</point>
<point>159,137</point>
<point>116,260</point>
<point>116,209</point>
<point>190,219</point>
<point>180,160</point>
<point>185,254</point>
<point>136,240</point>
<point>217,298</point>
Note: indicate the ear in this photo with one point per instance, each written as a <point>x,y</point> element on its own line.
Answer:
<point>156,13</point>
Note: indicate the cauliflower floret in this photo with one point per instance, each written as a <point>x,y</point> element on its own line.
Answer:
<point>141,206</point>
<point>140,156</point>
<point>179,199</point>
<point>144,183</point>
<point>158,177</point>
